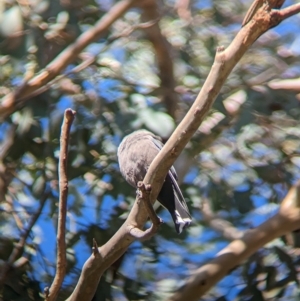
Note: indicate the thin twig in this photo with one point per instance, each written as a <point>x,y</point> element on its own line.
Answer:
<point>47,86</point>
<point>144,196</point>
<point>19,247</point>
<point>62,211</point>
<point>95,248</point>
<point>141,235</point>
<point>18,221</point>
<point>287,12</point>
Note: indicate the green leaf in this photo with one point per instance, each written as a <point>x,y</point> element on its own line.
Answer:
<point>157,122</point>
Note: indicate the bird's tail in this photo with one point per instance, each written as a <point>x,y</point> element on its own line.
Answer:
<point>172,199</point>
<point>181,215</point>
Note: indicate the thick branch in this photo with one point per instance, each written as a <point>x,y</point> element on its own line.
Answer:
<point>11,101</point>
<point>286,220</point>
<point>225,61</point>
<point>260,5</point>
<point>62,212</point>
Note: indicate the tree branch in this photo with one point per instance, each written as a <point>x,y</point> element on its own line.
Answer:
<point>144,196</point>
<point>260,5</point>
<point>63,194</point>
<point>286,220</point>
<point>287,12</point>
<point>11,101</point>
<point>225,61</point>
<point>88,60</point>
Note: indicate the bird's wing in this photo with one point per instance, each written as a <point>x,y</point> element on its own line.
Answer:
<point>179,193</point>
<point>160,145</point>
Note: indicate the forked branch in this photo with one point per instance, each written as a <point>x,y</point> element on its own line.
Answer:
<point>225,60</point>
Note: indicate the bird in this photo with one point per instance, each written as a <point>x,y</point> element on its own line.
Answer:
<point>135,154</point>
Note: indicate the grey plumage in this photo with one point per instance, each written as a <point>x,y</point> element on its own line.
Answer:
<point>135,154</point>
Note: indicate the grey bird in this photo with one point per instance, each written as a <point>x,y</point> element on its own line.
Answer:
<point>135,154</point>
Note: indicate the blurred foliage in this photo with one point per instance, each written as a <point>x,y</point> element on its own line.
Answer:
<point>243,158</point>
